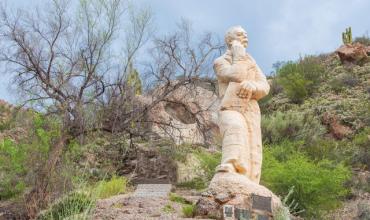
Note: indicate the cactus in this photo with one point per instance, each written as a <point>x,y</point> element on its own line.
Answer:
<point>133,80</point>
<point>347,36</point>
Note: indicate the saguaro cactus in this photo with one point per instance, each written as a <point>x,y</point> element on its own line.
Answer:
<point>347,36</point>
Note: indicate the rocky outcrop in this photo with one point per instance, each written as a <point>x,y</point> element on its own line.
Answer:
<point>240,193</point>
<point>353,53</point>
<point>188,114</point>
<point>148,164</point>
<point>336,129</point>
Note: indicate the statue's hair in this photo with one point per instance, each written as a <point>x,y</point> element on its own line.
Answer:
<point>231,34</point>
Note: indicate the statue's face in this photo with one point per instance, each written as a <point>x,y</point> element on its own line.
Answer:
<point>237,33</point>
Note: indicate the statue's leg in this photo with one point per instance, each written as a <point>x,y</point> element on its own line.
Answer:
<point>233,128</point>
<point>254,144</point>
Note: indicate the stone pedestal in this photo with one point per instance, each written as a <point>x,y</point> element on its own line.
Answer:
<point>234,196</point>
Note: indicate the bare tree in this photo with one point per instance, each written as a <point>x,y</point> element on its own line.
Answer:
<point>63,61</point>
<point>178,61</point>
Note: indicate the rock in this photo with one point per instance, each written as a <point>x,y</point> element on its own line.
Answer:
<point>353,53</point>
<point>363,211</point>
<point>223,197</point>
<point>337,130</point>
<point>191,111</point>
<point>238,191</point>
<point>208,207</point>
<point>149,166</point>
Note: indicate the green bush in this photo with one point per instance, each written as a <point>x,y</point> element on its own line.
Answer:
<point>107,188</point>
<point>319,185</point>
<point>299,79</point>
<point>188,211</point>
<point>361,143</point>
<point>12,168</point>
<point>291,125</point>
<point>17,158</point>
<point>365,40</point>
<point>70,205</point>
<point>196,183</point>
<point>339,83</point>
<point>209,162</point>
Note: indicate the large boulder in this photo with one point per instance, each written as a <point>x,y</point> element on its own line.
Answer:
<point>237,195</point>
<point>353,53</point>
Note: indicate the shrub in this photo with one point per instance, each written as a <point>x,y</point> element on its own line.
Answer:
<point>70,205</point>
<point>209,162</point>
<point>318,184</point>
<point>188,211</point>
<point>196,183</point>
<point>12,166</point>
<point>291,125</point>
<point>114,186</point>
<point>365,40</point>
<point>17,157</point>
<point>327,148</point>
<point>361,143</point>
<point>339,83</point>
<point>299,79</point>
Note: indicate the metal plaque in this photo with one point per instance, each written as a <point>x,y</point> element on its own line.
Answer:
<point>242,214</point>
<point>228,211</point>
<point>261,203</point>
<point>263,217</point>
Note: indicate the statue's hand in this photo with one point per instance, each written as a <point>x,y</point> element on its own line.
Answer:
<point>247,89</point>
<point>237,49</point>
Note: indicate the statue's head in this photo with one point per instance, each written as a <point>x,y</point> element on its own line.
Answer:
<point>236,33</point>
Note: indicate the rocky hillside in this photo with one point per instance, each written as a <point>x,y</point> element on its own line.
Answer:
<point>316,134</point>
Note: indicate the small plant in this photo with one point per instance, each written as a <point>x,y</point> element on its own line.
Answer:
<point>291,204</point>
<point>75,204</point>
<point>114,186</point>
<point>347,36</point>
<point>168,209</point>
<point>188,211</point>
<point>176,198</point>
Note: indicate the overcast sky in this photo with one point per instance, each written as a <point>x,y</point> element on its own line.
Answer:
<point>278,30</point>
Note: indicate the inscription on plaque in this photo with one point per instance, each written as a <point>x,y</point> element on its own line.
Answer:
<point>153,190</point>
<point>228,212</point>
<point>261,203</point>
<point>242,214</point>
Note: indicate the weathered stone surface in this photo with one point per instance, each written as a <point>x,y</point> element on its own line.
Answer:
<point>185,109</point>
<point>153,190</point>
<point>353,53</point>
<point>337,130</point>
<point>237,190</point>
<point>148,163</point>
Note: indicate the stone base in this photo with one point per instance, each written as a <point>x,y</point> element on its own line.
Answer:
<point>234,196</point>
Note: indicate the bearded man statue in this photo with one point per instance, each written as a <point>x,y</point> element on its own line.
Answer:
<point>241,84</point>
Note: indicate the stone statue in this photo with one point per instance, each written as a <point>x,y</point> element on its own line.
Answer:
<point>234,192</point>
<point>241,83</point>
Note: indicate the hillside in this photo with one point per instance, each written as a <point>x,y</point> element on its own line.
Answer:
<point>316,145</point>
